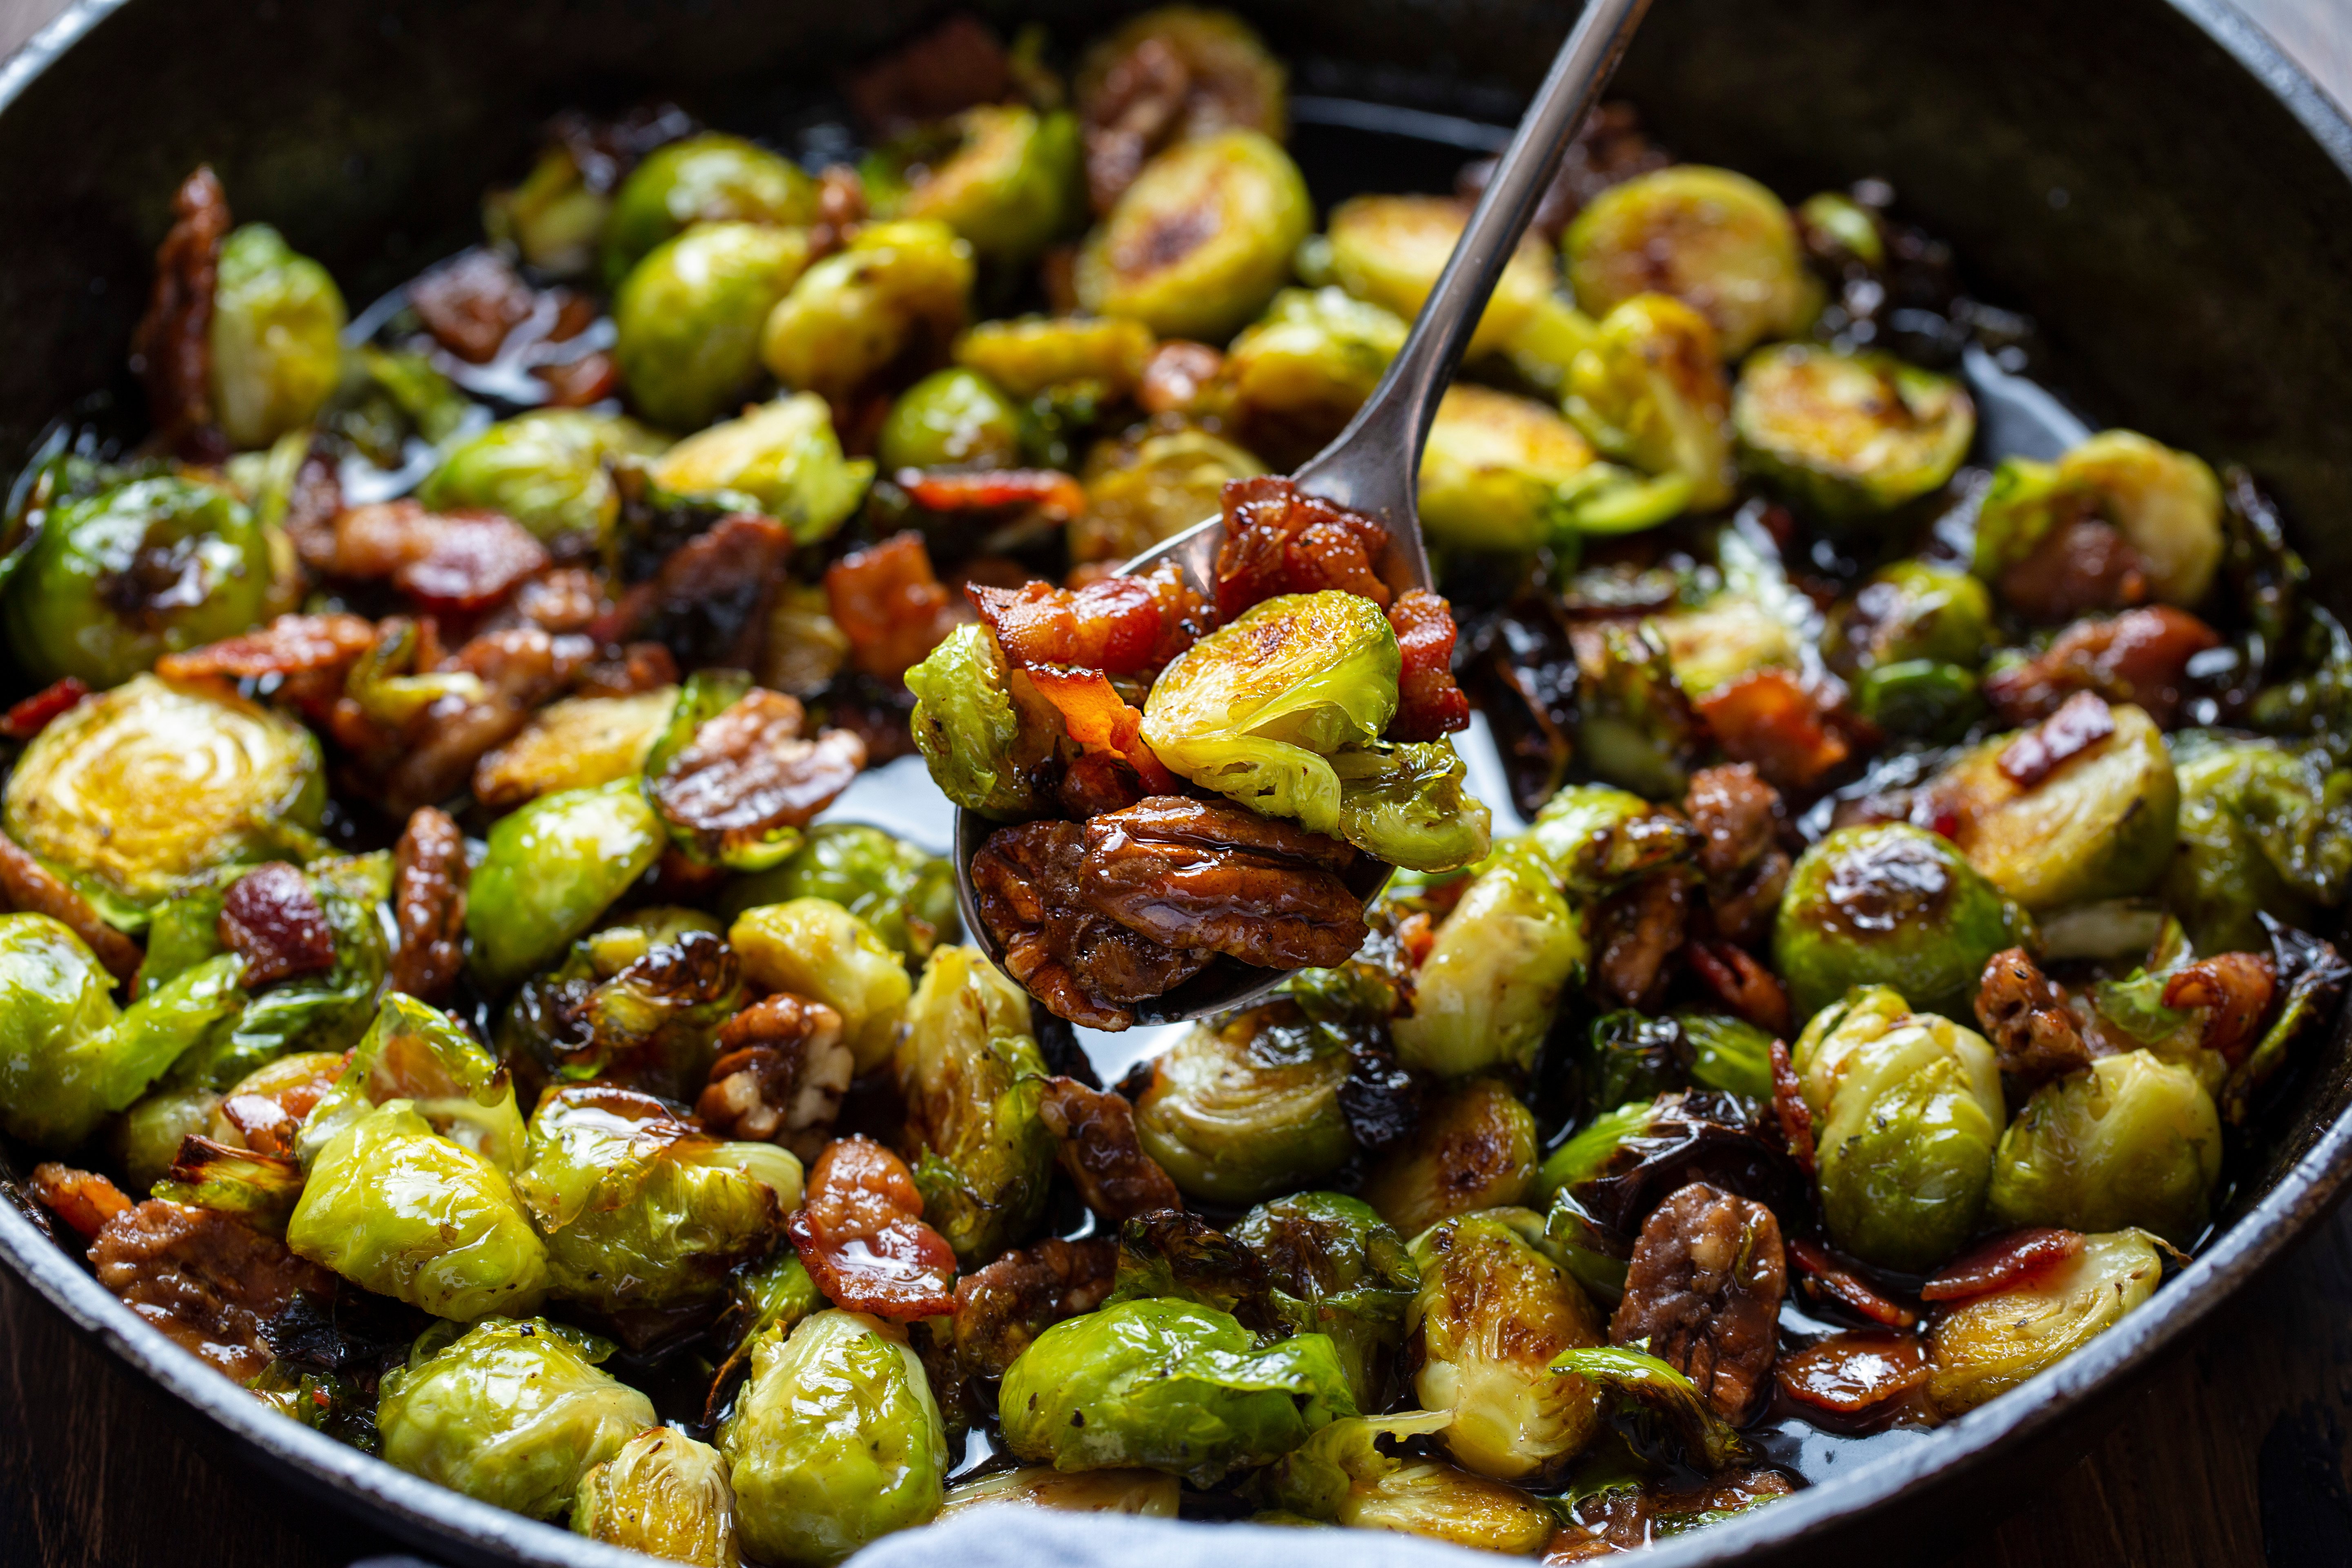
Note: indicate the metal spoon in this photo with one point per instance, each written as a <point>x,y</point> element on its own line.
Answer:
<point>1375,466</point>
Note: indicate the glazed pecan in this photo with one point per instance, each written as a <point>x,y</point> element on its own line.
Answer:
<point>861,1236</point>
<point>2026,1018</point>
<point>208,1281</point>
<point>290,644</point>
<point>172,351</point>
<point>2234,989</point>
<point>1738,817</point>
<point>454,563</point>
<point>83,1199</point>
<point>1221,878</point>
<point>471,302</point>
<point>429,899</point>
<point>1635,930</point>
<point>999,1309</point>
<point>1704,1291</point>
<point>1280,540</point>
<point>1082,964</point>
<point>32,888</point>
<point>1098,1148</point>
<point>272,920</point>
<point>432,756</point>
<point>781,1071</point>
<point>638,668</point>
<point>1131,116</point>
<point>748,776</point>
<point>2078,569</point>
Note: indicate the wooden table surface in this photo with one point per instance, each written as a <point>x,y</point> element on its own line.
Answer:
<point>2233,1454</point>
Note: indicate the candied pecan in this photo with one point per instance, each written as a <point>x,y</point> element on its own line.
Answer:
<point>84,1200</point>
<point>1429,702</point>
<point>452,563</point>
<point>951,68</point>
<point>470,302</point>
<point>1824,1276</point>
<point>1117,625</point>
<point>2079,567</point>
<point>639,667</point>
<point>1609,149</point>
<point>432,756</point>
<point>267,1123</point>
<point>1280,540</point>
<point>172,351</point>
<point>2234,988</point>
<point>1790,1111</point>
<point>31,716</point>
<point>2139,657</point>
<point>1769,718</point>
<point>1178,376</point>
<point>313,501</point>
<point>1132,114</point>
<point>208,1281</point>
<point>1102,721</point>
<point>1083,966</point>
<point>290,644</point>
<point>999,1309</point>
<point>710,599</point>
<point>1855,1371</point>
<point>840,208</point>
<point>272,920</point>
<point>861,1236</point>
<point>2081,723</point>
<point>31,888</point>
<point>1096,1131</point>
<point>1753,993</point>
<point>429,899</point>
<point>1635,930</point>
<point>889,604</point>
<point>2026,1018</point>
<point>1056,496</point>
<point>577,383</point>
<point>1628,1518</point>
<point>562,599</point>
<point>781,1071</point>
<point>1221,879</point>
<point>1738,817</point>
<point>748,775</point>
<point>2002,1263</point>
<point>1704,1291</point>
<point>1097,783</point>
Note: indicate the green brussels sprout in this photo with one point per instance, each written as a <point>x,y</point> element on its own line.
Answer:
<point>396,1208</point>
<point>1202,239</point>
<point>1633,1058</point>
<point>1337,1268</point>
<point>546,470</point>
<point>1723,639</point>
<point>130,793</point>
<point>1030,355</point>
<point>1546,345</point>
<point>950,417</point>
<point>1889,904</point>
<point>1487,993</point>
<point>1492,1311</point>
<point>550,869</point>
<point>1849,435</point>
<point>510,1412</point>
<point>261,1190</point>
<point>1727,1054</point>
<point>1342,1476</point>
<point>1912,611</point>
<point>1152,485</point>
<point>980,743</point>
<point>1907,1107</point>
<point>904,893</point>
<point>1646,1385</point>
<point>577,742</point>
<point>835,1440</point>
<point>2251,813</point>
<point>1388,250</point>
<point>419,1055</point>
<point>1650,391</point>
<point>552,219</point>
<point>968,1071</point>
<point>1993,1343</point>
<point>664,1494</point>
<point>1233,78</point>
<point>1593,839</point>
<point>1004,177</point>
<point>2102,824</point>
<point>1239,1112</point>
<point>276,337</point>
<point>688,318</point>
<point>1635,727</point>
<point>2166,504</point>
<point>894,285</point>
<point>1506,475</point>
<point>1256,709</point>
<point>785,456</point>
<point>1473,1148</point>
<point>148,567</point>
<point>1171,1385</point>
<point>1308,364</point>
<point>1717,241</point>
<point>816,949</point>
<point>706,178</point>
<point>1839,230</point>
<point>1145,1492</point>
<point>1406,803</point>
<point>637,1003</point>
<point>2131,1142</point>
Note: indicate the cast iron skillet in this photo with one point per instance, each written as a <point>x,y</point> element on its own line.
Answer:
<point>2149,178</point>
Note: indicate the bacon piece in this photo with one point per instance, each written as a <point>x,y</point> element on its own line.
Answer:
<point>2083,722</point>
<point>1280,540</point>
<point>1753,993</point>
<point>1850,1373</point>
<point>2235,990</point>
<point>1055,494</point>
<point>471,302</point>
<point>1100,720</point>
<point>890,606</point>
<point>30,717</point>
<point>172,351</point>
<point>2026,1018</point>
<point>746,775</point>
<point>861,1236</point>
<point>208,1281</point>
<point>1738,817</point>
<point>1117,625</point>
<point>453,563</point>
<point>429,899</point>
<point>1099,1150</point>
<point>2079,567</point>
<point>84,1200</point>
<point>1097,783</point>
<point>1789,1109</point>
<point>1083,966</point>
<point>1769,718</point>
<point>2002,1263</point>
<point>1177,377</point>
<point>1429,702</point>
<point>1826,1276</point>
<point>575,383</point>
<point>290,644</point>
<point>272,921</point>
<point>1001,1309</point>
<point>432,754</point>
<point>2140,657</point>
<point>32,888</point>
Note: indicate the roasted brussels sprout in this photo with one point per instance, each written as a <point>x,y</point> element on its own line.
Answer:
<point>664,1494</point>
<point>1202,239</point>
<point>816,949</point>
<point>1710,647</point>
<point>1907,1107</point>
<point>1474,1148</point>
<point>1717,241</point>
<point>1487,993</point>
<point>1248,1108</point>
<point>1301,372</point>
<point>950,417</point>
<point>1504,474</point>
<point>1169,1385</point>
<point>2166,504</point>
<point>1228,77</point>
<point>835,1440</point>
<point>1407,804</point>
<point>577,742</point>
<point>1004,177</point>
<point>639,1004</point>
<point>979,741</point>
<point>904,893</point>
<point>1151,486</point>
<point>2131,1142</point>
<point>896,286</point>
<point>1337,1268</point>
<point>1909,642</point>
<point>419,1055</point>
<point>1030,355</point>
<point>550,869</point>
<point>1634,1058</point>
<point>1648,1385</point>
<point>1650,391</point>
<point>1889,905</point>
<point>2250,812</point>
<point>1593,839</point>
<point>1390,249</point>
<point>1847,435</point>
<point>785,456</point>
<point>1146,1492</point>
<point>1342,1476</point>
<point>688,318</point>
<point>704,178</point>
<point>510,1411</point>
<point>1990,1344</point>
<point>276,337</point>
<point>546,471</point>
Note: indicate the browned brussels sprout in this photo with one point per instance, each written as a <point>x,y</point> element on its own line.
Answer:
<point>1717,241</point>
<point>1991,1343</point>
<point>1849,435</point>
<point>1473,1149</point>
<point>1202,239</point>
<point>1889,905</point>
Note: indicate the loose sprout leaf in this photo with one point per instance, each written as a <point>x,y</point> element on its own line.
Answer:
<point>1650,1387</point>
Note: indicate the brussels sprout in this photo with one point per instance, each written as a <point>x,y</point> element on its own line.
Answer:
<point>785,456</point>
<point>1635,1058</point>
<point>1145,1492</point>
<point>1494,1309</point>
<point>1004,177</point>
<point>1248,1108</point>
<point>1486,995</point>
<point>550,869</point>
<point>1202,239</point>
<point>638,1004</point>
<point>552,219</point>
<point>1728,1054</point>
<point>816,949</point>
<point>577,742</point>
<point>1474,1148</point>
<point>1547,343</point>
<point>1390,249</point>
<point>514,1412</point>
<point>1307,365</point>
<point>904,893</point>
<point>1848,434</point>
<point>968,1071</point>
<point>1406,803</point>
<point>1841,231</point>
<point>1030,355</point>
<point>1151,486</point>
<point>1342,1476</point>
<point>705,178</point>
<point>894,285</point>
<point>978,741</point>
<point>1990,1345</point>
<point>258,1189</point>
<point>1649,1386</point>
<point>2099,826</point>
<point>130,793</point>
<point>2133,1143</point>
<point>546,470</point>
<point>148,567</point>
<point>1889,905</point>
<point>1255,708</point>
<point>1232,77</point>
<point>2248,810</point>
<point>1906,1107</point>
<point>664,1494</point>
<point>835,1440</point>
<point>950,417</point>
<point>1635,727</point>
<point>1717,241</point>
<point>295,1081</point>
<point>1167,1385</point>
<point>1592,840</point>
<point>688,318</point>
<point>276,338</point>
<point>1651,392</point>
<point>1715,643</point>
<point>2166,504</point>
<point>1337,1268</point>
<point>417,1055</point>
<point>1909,612</point>
<point>1506,474</point>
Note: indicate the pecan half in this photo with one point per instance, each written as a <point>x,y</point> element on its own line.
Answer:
<point>1098,1148</point>
<point>2234,989</point>
<point>2140,657</point>
<point>1189,874</point>
<point>272,920</point>
<point>1738,817</point>
<point>2079,568</point>
<point>2026,1018</point>
<point>861,1236</point>
<point>1704,1291</point>
<point>999,1309</point>
<point>1085,966</point>
<point>748,775</point>
<point>781,1071</point>
<point>471,302</point>
<point>429,899</point>
<point>454,563</point>
<point>172,351</point>
<point>208,1281</point>
<point>1635,930</point>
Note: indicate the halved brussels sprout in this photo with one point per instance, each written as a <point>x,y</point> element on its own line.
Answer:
<point>709,177</point>
<point>513,1413</point>
<point>1145,1492</point>
<point>1494,1309</point>
<point>2131,1142</point>
<point>1907,1107</point>
<point>1342,1476</point>
<point>1390,249</point>
<point>638,1004</point>
<point>1233,78</point>
<point>134,792</point>
<point>894,285</point>
<point>1337,1268</point>
<point>550,870</point>
<point>2245,806</point>
<point>906,894</point>
<point>1634,726</point>
<point>979,740</point>
<point>276,337</point>
<point>664,1494</point>
<point>1502,473</point>
<point>1486,995</point>
<point>577,742</point>
<point>1003,176</point>
<point>688,318</point>
<point>1889,904</point>
<point>950,417</point>
<point>1547,343</point>
<point>1650,391</point>
<point>1202,239</point>
<point>2166,504</point>
<point>1723,639</point>
<point>816,949</point>
<point>1473,1148</point>
<point>835,1440</point>
<point>1592,840</point>
<point>1248,1108</point>
<point>552,219</point>
<point>1993,1343</point>
<point>1169,1385</point>
<point>1648,1385</point>
<point>783,455</point>
<point>1911,610</point>
<point>419,1055</point>
<point>1847,435</point>
<point>1716,240</point>
<point>546,470</point>
<point>1029,354</point>
<point>1406,803</point>
<point>1151,486</point>
<point>1302,370</point>
<point>968,1071</point>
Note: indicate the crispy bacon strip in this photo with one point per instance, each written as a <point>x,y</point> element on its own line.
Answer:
<point>1056,495</point>
<point>1753,991</point>
<point>1280,540</point>
<point>1098,1148</point>
<point>1100,720</point>
<point>428,897</point>
<point>32,888</point>
<point>861,1236</point>
<point>471,303</point>
<point>890,606</point>
<point>290,644</point>
<point>268,1122</point>
<point>1789,1109</point>
<point>1850,1373</point>
<point>83,1199</point>
<point>2139,657</point>
<point>30,717</point>
<point>1769,718</point>
<point>2003,1262</point>
<point>2235,989</point>
<point>172,351</point>
<point>1824,1276</point>
<point>2082,722</point>
<point>1117,625</point>
<point>272,920</point>
<point>1430,703</point>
